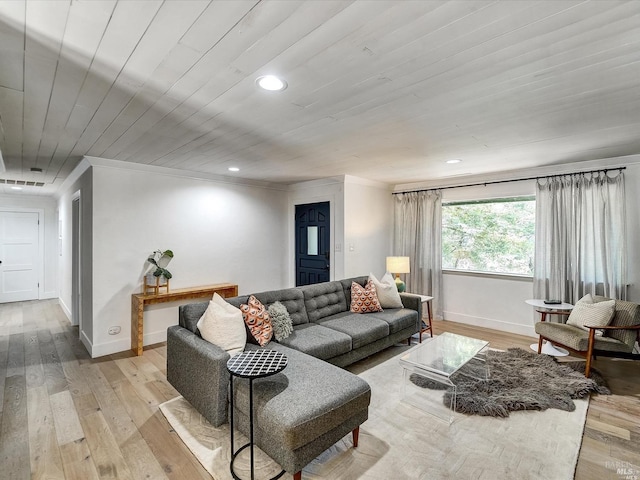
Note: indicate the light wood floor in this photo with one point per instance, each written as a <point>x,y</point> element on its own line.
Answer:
<point>67,416</point>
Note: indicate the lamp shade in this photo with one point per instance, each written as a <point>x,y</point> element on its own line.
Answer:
<point>398,265</point>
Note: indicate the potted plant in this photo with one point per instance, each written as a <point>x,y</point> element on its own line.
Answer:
<point>160,259</point>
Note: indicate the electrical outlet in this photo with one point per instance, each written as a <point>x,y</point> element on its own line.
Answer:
<point>114,330</point>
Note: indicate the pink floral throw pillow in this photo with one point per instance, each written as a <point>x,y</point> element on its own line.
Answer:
<point>364,299</point>
<point>257,319</point>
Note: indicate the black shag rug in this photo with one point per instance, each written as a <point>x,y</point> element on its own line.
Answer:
<point>518,380</point>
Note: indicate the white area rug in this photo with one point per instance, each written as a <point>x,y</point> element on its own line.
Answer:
<point>401,441</point>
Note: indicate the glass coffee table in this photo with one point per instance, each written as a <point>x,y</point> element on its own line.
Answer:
<point>438,359</point>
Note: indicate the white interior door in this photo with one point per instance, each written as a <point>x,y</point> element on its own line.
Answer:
<point>19,256</point>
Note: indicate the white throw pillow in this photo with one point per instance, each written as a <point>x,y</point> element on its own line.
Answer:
<point>222,325</point>
<point>223,303</point>
<point>387,291</point>
<point>586,312</point>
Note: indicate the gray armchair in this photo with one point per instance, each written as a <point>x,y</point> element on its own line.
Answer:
<point>618,339</point>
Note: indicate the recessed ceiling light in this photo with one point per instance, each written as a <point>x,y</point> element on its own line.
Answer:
<point>234,169</point>
<point>16,188</point>
<point>271,83</point>
<point>454,160</point>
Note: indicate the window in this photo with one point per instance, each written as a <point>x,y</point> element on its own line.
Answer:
<point>494,236</point>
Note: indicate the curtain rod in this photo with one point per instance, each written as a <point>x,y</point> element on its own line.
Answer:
<point>604,170</point>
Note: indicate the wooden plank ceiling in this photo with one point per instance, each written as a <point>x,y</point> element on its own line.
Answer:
<point>385,90</point>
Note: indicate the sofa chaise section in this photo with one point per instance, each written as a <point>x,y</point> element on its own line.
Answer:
<point>303,410</point>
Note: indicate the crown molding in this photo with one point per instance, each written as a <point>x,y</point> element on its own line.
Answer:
<point>173,172</point>
<point>366,182</point>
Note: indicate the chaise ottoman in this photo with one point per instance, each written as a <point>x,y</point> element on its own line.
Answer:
<point>303,410</point>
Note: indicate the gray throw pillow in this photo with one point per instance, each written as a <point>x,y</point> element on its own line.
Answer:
<point>280,321</point>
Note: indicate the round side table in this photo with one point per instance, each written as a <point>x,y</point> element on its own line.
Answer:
<point>545,309</point>
<point>251,364</point>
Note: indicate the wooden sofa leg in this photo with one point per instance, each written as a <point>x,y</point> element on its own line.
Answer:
<point>539,344</point>
<point>297,475</point>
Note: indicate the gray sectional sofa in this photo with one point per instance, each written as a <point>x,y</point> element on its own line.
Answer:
<point>312,403</point>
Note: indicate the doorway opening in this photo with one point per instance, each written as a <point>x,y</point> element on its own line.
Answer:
<point>312,243</point>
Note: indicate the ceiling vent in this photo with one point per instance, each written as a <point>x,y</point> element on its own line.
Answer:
<point>26,183</point>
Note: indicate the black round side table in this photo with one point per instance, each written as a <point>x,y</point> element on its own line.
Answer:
<point>252,364</point>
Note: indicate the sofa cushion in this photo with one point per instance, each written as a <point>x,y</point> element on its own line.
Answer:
<point>364,299</point>
<point>188,315</point>
<point>256,317</point>
<point>222,325</point>
<point>280,320</point>
<point>291,298</point>
<point>363,329</point>
<point>387,291</point>
<point>346,286</point>
<point>324,299</point>
<point>237,301</point>
<point>318,341</point>
<point>308,398</point>
<point>398,318</point>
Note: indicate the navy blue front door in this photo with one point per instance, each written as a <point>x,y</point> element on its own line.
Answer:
<point>312,243</point>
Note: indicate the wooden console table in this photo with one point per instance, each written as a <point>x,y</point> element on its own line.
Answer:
<point>139,300</point>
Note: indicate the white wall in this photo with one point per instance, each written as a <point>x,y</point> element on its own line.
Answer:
<point>219,232</point>
<point>492,302</point>
<point>49,224</point>
<point>368,227</point>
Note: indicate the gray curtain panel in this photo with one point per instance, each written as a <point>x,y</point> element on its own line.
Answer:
<point>418,235</point>
<point>580,237</point>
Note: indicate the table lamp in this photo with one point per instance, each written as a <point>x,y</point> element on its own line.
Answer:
<point>398,265</point>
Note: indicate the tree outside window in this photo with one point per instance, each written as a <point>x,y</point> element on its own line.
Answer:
<point>489,236</point>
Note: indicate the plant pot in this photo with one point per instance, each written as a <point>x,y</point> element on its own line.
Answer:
<point>151,280</point>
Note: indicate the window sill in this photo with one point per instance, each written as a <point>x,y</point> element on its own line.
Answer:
<point>499,276</point>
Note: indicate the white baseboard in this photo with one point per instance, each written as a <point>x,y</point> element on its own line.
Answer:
<point>65,309</point>
<point>492,323</point>
<point>154,337</point>
<point>107,348</point>
<point>87,343</point>
<point>122,344</point>
<point>48,295</point>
